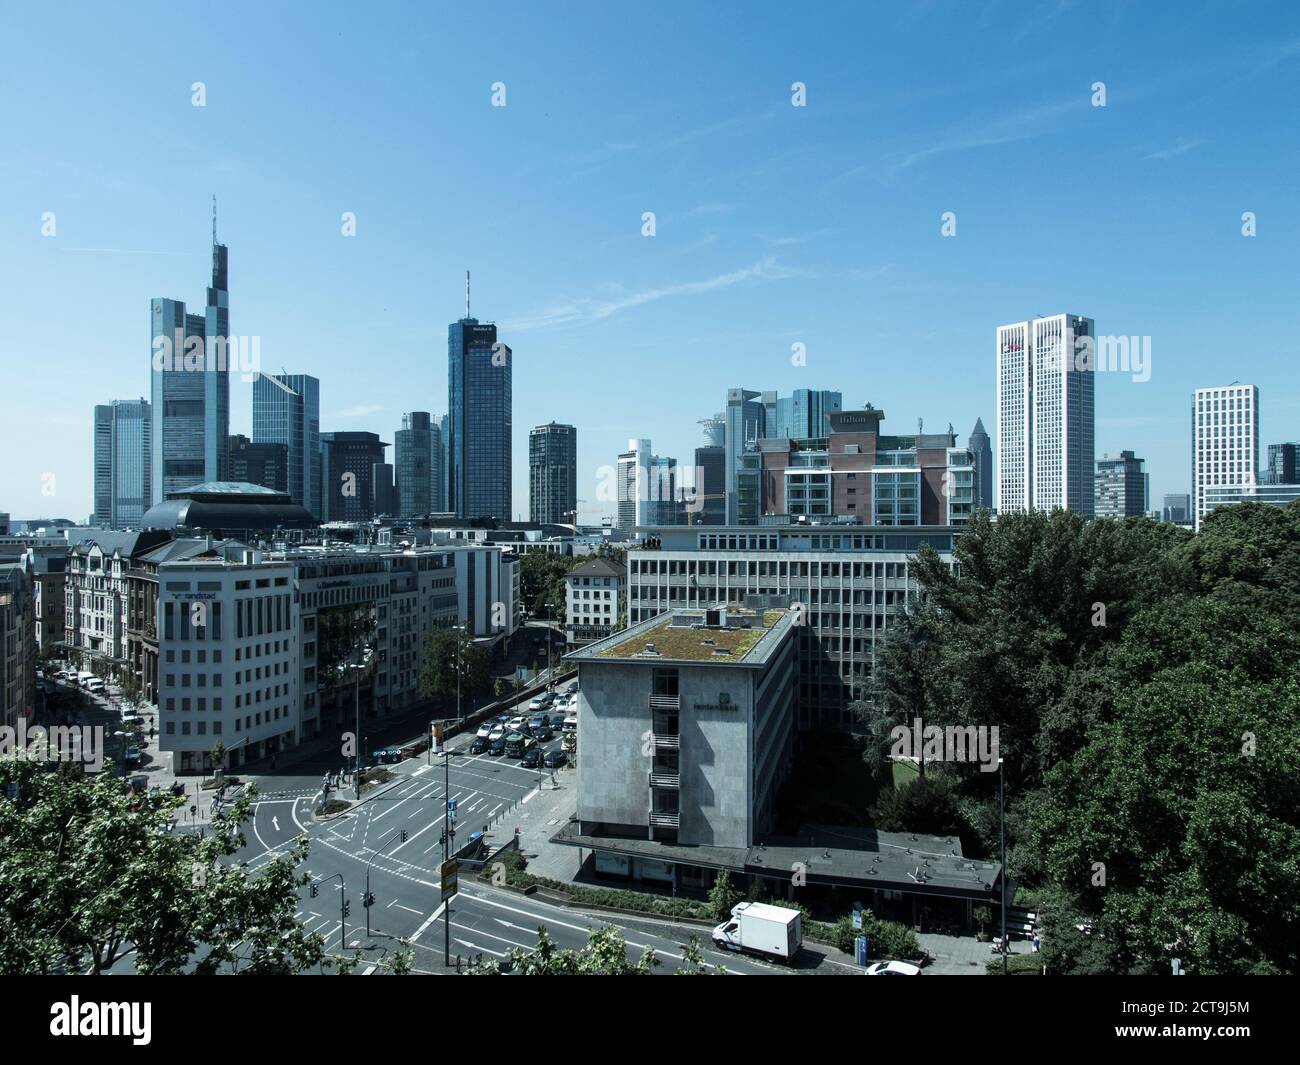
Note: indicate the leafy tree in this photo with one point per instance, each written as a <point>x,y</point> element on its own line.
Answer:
<point>926,804</point>
<point>447,652</point>
<point>722,896</point>
<point>541,582</point>
<point>89,875</point>
<point>604,955</point>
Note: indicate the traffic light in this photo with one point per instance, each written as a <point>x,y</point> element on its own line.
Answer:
<point>442,840</point>
<point>370,899</point>
<point>315,889</point>
<point>403,835</point>
<point>347,907</point>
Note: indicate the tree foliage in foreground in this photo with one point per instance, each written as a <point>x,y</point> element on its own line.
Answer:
<point>604,955</point>
<point>1146,685</point>
<point>86,879</point>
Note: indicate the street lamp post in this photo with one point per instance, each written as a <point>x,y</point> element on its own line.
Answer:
<point>1002,833</point>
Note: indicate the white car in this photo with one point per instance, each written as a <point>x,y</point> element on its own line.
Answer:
<point>893,968</point>
<point>485,730</point>
<point>516,723</point>
<point>498,732</point>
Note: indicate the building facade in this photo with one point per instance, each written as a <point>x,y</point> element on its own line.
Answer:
<point>850,582</point>
<point>1225,443</point>
<point>347,467</point>
<point>286,411</point>
<point>1046,416</point>
<point>981,449</point>
<point>1121,490</point>
<point>264,464</point>
<point>592,600</point>
<point>553,474</point>
<point>1282,467</point>
<point>17,644</point>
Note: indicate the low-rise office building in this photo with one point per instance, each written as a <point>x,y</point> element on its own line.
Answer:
<point>850,581</point>
<point>17,643</point>
<point>687,726</point>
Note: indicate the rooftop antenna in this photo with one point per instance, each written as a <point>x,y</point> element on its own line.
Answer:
<point>466,293</point>
<point>214,218</point>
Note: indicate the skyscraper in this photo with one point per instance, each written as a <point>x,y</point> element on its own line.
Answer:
<point>629,475</point>
<point>802,415</point>
<point>1225,441</point>
<point>746,420</point>
<point>1121,486</point>
<point>1282,467</point>
<point>710,492</point>
<point>190,392</point>
<point>1046,417</point>
<point>416,451</point>
<point>979,445</point>
<point>348,463</point>
<point>286,410</point>
<point>479,399</point>
<point>553,473</point>
<point>444,478</point>
<point>122,463</point>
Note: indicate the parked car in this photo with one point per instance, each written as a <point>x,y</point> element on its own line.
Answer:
<point>485,730</point>
<point>498,733</point>
<point>516,723</point>
<point>555,759</point>
<point>541,733</point>
<point>498,746</point>
<point>133,756</point>
<point>893,968</point>
<point>95,685</point>
<point>538,703</point>
<point>532,758</point>
<point>130,717</point>
<point>479,745</point>
<point>572,687</point>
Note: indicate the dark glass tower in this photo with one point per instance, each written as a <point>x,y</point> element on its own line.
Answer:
<point>553,474</point>
<point>979,445</point>
<point>478,421</point>
<point>416,450</point>
<point>286,410</point>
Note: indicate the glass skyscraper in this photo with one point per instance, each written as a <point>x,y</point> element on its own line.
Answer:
<point>417,455</point>
<point>122,468</point>
<point>553,473</point>
<point>286,410</point>
<point>190,389</point>
<point>479,398</point>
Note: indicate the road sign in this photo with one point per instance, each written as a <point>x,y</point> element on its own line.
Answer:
<point>449,872</point>
<point>451,809</point>
<point>857,916</point>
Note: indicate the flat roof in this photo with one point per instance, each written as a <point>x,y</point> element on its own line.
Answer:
<point>693,643</point>
<point>833,855</point>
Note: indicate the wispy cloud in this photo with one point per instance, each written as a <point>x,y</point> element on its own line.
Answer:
<point>1181,145</point>
<point>766,269</point>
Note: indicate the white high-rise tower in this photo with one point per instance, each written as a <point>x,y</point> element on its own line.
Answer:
<point>1225,442</point>
<point>1046,415</point>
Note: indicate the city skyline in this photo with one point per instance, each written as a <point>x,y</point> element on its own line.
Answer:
<point>856,271</point>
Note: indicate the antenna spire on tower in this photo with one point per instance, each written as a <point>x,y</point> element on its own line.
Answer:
<point>214,218</point>
<point>466,293</point>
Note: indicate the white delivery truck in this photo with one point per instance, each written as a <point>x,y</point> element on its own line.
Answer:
<point>759,928</point>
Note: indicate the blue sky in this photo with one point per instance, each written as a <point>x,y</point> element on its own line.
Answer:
<point>776,225</point>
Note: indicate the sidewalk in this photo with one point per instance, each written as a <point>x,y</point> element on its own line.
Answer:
<point>537,819</point>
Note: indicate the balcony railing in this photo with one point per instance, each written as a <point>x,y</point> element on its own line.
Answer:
<point>665,780</point>
<point>665,702</point>
<point>664,820</point>
<point>662,741</point>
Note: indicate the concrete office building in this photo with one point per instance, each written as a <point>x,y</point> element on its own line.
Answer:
<point>479,406</point>
<point>122,463</point>
<point>416,453</point>
<point>347,466</point>
<point>1121,488</point>
<point>851,581</point>
<point>714,690</point>
<point>1225,444</point>
<point>190,360</point>
<point>265,464</point>
<point>1046,416</point>
<point>553,474</point>
<point>286,411</point>
<point>592,594</point>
